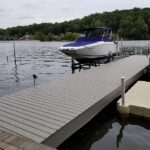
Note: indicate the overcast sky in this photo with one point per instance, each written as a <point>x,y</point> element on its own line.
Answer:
<point>25,12</point>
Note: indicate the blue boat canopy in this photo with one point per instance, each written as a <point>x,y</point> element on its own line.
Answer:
<point>82,41</point>
<point>92,36</point>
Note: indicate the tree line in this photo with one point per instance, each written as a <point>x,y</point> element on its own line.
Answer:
<point>133,24</point>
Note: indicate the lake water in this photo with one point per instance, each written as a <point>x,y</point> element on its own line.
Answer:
<point>44,60</point>
<point>40,58</point>
<point>112,134</point>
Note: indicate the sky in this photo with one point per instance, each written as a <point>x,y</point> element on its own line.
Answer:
<point>25,12</point>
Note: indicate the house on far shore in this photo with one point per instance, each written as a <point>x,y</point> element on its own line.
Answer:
<point>27,37</point>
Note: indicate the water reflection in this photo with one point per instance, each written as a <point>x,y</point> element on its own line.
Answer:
<point>120,135</point>
<point>111,134</point>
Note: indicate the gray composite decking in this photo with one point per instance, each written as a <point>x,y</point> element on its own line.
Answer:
<point>50,113</point>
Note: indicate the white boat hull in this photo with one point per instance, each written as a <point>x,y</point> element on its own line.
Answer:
<point>91,51</point>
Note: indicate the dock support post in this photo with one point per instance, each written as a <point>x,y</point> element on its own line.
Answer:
<point>124,110</point>
<point>117,48</point>
<point>148,49</point>
<point>123,90</point>
<point>141,51</point>
<point>14,46</point>
<point>72,65</point>
<point>121,49</point>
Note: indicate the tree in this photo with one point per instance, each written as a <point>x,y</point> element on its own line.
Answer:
<point>2,34</point>
<point>127,28</point>
<point>141,29</point>
<point>39,36</point>
<point>129,24</point>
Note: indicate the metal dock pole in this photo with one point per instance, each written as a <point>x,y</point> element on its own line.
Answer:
<point>123,90</point>
<point>14,53</point>
<point>121,49</point>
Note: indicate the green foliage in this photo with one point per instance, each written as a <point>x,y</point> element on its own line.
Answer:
<point>126,24</point>
<point>2,33</point>
<point>39,36</point>
<point>70,36</point>
<point>132,28</point>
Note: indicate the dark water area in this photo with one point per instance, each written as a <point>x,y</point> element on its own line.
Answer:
<point>106,131</point>
<point>116,133</point>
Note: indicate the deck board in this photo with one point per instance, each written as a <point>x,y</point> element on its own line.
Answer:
<point>50,113</point>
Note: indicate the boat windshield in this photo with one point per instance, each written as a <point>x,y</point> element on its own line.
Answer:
<point>102,33</point>
<point>95,34</point>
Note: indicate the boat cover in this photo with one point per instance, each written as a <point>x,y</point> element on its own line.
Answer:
<point>83,41</point>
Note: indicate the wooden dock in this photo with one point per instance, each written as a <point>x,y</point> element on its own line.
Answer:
<point>9,141</point>
<point>52,112</point>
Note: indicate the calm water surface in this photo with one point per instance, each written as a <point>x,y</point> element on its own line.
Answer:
<point>44,60</point>
<point>112,134</point>
<point>40,58</point>
<point>33,57</point>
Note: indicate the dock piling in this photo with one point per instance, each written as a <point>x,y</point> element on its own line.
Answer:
<point>14,47</point>
<point>148,48</point>
<point>141,51</point>
<point>121,49</point>
<point>123,90</point>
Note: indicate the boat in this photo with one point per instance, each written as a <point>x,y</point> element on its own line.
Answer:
<point>95,43</point>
